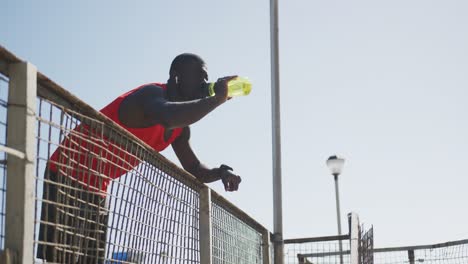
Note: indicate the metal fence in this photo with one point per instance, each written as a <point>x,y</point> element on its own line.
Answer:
<point>154,212</point>
<point>342,249</point>
<point>454,252</point>
<point>60,199</point>
<point>318,250</point>
<point>366,246</point>
<point>145,213</point>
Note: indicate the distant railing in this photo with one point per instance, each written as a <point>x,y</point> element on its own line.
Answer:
<point>154,213</point>
<point>326,249</point>
<point>453,252</point>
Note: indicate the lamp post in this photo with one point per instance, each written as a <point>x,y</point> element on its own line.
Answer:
<point>335,164</point>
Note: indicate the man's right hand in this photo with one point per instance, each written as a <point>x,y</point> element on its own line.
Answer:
<point>221,88</point>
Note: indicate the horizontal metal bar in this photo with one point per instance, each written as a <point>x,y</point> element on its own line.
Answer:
<point>440,245</point>
<point>324,254</point>
<point>315,239</point>
<point>390,249</point>
<point>12,151</point>
<point>6,57</point>
<point>1,77</point>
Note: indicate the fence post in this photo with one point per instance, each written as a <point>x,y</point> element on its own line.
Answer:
<point>19,219</point>
<point>411,256</point>
<point>266,247</point>
<point>354,237</point>
<point>206,244</point>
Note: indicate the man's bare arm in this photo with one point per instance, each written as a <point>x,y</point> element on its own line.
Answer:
<point>192,164</point>
<point>158,110</point>
<point>189,160</point>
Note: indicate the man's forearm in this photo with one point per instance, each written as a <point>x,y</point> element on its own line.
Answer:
<point>182,114</point>
<point>206,174</point>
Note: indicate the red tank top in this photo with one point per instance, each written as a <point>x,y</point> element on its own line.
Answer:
<point>93,160</point>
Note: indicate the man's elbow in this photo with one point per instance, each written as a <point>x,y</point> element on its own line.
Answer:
<point>167,120</point>
<point>170,120</point>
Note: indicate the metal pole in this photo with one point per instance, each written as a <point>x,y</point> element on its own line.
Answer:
<point>338,215</point>
<point>276,136</point>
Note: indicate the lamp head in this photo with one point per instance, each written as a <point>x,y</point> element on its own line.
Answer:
<point>335,164</point>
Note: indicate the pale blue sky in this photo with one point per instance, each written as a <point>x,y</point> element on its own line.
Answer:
<point>383,83</point>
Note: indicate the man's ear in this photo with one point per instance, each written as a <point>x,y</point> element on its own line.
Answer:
<point>173,74</point>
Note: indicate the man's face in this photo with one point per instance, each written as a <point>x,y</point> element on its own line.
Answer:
<point>192,76</point>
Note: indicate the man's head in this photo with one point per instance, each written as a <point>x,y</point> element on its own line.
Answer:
<point>188,72</point>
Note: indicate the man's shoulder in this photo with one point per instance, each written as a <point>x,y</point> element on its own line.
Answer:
<point>151,90</point>
<point>152,87</point>
<point>144,96</point>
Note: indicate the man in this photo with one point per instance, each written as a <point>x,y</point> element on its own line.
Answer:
<point>158,114</point>
<point>183,103</point>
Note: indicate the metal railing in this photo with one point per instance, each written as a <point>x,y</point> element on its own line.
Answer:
<point>453,252</point>
<point>76,210</point>
<point>317,250</point>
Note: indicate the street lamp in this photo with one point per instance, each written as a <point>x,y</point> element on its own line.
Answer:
<point>335,164</point>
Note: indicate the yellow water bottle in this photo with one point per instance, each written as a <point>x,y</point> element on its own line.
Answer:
<point>236,87</point>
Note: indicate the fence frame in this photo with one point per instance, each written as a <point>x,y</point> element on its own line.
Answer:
<point>411,250</point>
<point>21,122</point>
<point>30,83</point>
<point>206,241</point>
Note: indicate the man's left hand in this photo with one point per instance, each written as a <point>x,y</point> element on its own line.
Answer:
<point>231,181</point>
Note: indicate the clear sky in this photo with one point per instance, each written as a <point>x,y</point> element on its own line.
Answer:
<point>382,83</point>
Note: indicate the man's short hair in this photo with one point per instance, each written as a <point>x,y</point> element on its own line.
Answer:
<point>183,59</point>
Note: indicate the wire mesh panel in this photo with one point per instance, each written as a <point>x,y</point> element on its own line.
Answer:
<point>455,252</point>
<point>98,200</point>
<point>157,222</point>
<point>320,250</point>
<point>3,178</point>
<point>234,241</point>
<point>366,246</point>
